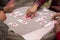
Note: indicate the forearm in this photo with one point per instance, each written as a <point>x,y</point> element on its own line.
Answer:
<point>3,30</point>
<point>40,2</point>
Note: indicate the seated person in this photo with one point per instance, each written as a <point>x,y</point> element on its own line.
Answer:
<point>4,33</point>
<point>7,6</point>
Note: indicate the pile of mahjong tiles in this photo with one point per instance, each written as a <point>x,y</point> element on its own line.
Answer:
<point>17,20</point>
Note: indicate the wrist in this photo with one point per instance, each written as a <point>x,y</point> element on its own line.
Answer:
<point>35,6</point>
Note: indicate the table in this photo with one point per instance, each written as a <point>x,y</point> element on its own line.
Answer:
<point>26,27</point>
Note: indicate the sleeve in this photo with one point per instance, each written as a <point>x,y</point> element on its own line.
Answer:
<point>58,35</point>
<point>40,2</point>
<point>10,2</point>
<point>3,31</point>
<point>3,3</point>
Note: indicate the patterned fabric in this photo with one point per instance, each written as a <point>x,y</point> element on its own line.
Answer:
<point>40,2</point>
<point>55,4</point>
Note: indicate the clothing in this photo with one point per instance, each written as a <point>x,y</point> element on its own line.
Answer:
<point>3,3</point>
<point>55,4</point>
<point>8,35</point>
<point>58,35</point>
<point>13,36</point>
<point>49,36</point>
<point>3,30</point>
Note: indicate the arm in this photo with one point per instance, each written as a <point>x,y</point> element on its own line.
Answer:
<point>3,30</point>
<point>55,15</point>
<point>57,30</point>
<point>3,3</point>
<point>9,6</point>
<point>57,26</point>
<point>31,12</point>
<point>40,2</point>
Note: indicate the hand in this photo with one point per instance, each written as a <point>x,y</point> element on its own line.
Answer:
<point>31,11</point>
<point>2,16</point>
<point>9,7</point>
<point>56,16</point>
<point>57,24</point>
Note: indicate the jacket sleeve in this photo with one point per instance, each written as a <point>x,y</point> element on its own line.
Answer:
<point>3,3</point>
<point>3,31</point>
<point>40,2</point>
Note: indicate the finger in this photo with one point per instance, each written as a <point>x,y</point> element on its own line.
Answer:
<point>27,12</point>
<point>58,23</point>
<point>36,15</point>
<point>57,14</point>
<point>33,15</point>
<point>30,14</point>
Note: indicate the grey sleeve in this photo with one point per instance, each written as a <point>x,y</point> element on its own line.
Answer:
<point>3,31</point>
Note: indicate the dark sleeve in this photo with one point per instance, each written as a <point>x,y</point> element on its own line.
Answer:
<point>3,31</point>
<point>58,35</point>
<point>40,2</point>
<point>3,3</point>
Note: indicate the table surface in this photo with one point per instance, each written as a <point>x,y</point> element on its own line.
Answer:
<point>18,23</point>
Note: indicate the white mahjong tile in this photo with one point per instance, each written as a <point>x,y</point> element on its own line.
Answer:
<point>13,24</point>
<point>51,23</point>
<point>43,18</point>
<point>22,21</point>
<point>17,12</point>
<point>37,20</point>
<point>43,22</point>
<point>12,14</point>
<point>45,10</point>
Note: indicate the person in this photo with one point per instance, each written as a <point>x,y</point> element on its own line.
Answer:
<point>56,34</point>
<point>7,6</point>
<point>55,6</point>
<point>57,25</point>
<point>4,33</point>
